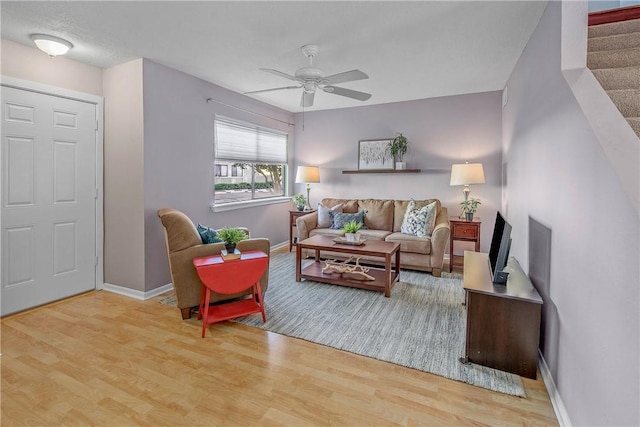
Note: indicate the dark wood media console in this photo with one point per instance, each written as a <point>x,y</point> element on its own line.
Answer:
<point>503,321</point>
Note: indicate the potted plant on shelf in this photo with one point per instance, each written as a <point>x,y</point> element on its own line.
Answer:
<point>231,237</point>
<point>398,148</point>
<point>469,208</point>
<point>299,200</point>
<point>350,229</point>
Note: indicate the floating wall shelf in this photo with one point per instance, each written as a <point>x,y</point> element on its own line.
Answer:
<point>381,171</point>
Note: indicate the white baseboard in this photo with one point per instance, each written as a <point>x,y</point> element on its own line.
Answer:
<point>280,246</point>
<point>132,293</point>
<point>554,394</point>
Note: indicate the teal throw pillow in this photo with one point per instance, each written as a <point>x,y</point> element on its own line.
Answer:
<point>339,219</point>
<point>417,221</point>
<point>208,234</point>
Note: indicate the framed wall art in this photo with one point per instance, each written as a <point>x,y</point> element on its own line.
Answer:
<point>374,154</point>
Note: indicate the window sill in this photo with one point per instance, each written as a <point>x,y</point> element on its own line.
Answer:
<point>249,204</point>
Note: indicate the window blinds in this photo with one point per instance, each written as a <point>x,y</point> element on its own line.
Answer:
<point>244,142</point>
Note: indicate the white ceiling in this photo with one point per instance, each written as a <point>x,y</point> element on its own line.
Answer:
<point>410,50</point>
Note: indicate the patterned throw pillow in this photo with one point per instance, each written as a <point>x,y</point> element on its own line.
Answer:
<point>419,221</point>
<point>208,234</point>
<point>324,219</point>
<point>338,219</point>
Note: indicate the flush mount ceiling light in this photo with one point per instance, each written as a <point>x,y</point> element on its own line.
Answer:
<point>52,46</point>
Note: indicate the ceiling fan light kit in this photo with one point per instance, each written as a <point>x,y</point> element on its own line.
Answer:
<point>311,78</point>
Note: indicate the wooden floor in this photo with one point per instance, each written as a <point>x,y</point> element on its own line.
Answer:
<point>107,360</point>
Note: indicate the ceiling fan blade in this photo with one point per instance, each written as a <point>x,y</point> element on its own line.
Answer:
<point>360,96</point>
<point>275,88</point>
<point>281,74</point>
<point>307,99</point>
<point>347,76</point>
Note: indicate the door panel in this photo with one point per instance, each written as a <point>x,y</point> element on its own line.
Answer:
<point>48,199</point>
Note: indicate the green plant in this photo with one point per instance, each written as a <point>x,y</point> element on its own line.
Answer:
<point>398,146</point>
<point>231,236</point>
<point>470,205</point>
<point>352,226</point>
<point>299,200</point>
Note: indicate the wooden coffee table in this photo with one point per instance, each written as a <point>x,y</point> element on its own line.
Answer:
<point>384,279</point>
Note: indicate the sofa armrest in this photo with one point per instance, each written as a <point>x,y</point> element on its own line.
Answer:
<point>305,224</point>
<point>440,238</point>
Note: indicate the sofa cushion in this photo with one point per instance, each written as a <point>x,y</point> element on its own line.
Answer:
<point>324,219</point>
<point>348,206</point>
<point>379,213</point>
<point>339,219</point>
<point>419,221</point>
<point>373,234</point>
<point>208,234</point>
<point>400,208</point>
<point>410,243</point>
<point>326,232</point>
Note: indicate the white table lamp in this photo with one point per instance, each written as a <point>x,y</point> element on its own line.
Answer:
<point>466,174</point>
<point>307,174</point>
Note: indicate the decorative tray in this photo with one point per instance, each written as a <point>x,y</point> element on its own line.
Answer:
<point>344,241</point>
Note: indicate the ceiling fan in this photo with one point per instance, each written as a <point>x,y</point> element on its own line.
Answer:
<point>311,78</point>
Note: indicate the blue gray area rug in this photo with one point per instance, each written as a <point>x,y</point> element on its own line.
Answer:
<point>422,326</point>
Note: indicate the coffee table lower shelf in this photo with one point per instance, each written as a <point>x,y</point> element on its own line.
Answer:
<point>314,272</point>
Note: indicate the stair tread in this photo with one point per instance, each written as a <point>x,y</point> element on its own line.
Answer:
<point>627,101</point>
<point>618,78</point>
<point>614,42</point>
<point>614,58</point>
<point>614,28</point>
<point>634,122</point>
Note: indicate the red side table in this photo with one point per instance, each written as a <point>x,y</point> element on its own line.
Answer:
<point>231,277</point>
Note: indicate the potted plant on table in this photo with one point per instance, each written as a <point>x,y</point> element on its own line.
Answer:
<point>469,208</point>
<point>231,237</point>
<point>398,148</point>
<point>350,229</point>
<point>299,200</point>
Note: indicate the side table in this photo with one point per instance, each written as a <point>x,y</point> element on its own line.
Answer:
<point>463,231</point>
<point>293,215</point>
<point>230,277</point>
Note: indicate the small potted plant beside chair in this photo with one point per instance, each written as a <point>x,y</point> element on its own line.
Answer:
<point>350,229</point>
<point>469,208</point>
<point>231,237</point>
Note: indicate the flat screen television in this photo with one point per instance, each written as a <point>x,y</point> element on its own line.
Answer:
<point>499,250</point>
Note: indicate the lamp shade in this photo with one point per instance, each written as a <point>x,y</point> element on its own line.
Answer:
<point>52,46</point>
<point>306,174</point>
<point>467,173</point>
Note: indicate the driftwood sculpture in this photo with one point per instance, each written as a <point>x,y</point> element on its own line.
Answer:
<point>333,266</point>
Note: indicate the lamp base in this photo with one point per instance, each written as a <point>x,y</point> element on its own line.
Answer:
<point>308,205</point>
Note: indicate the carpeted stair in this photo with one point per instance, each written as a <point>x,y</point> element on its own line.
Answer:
<point>614,58</point>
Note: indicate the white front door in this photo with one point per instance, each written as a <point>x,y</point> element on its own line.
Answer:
<point>48,198</point>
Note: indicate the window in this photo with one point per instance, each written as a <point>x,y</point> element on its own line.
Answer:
<point>222,170</point>
<point>256,157</point>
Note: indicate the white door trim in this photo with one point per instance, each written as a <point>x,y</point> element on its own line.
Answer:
<point>98,101</point>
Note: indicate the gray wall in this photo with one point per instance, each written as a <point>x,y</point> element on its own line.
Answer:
<point>558,175</point>
<point>441,132</point>
<point>123,176</point>
<point>178,160</point>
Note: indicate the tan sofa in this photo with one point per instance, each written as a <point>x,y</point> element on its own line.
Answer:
<point>183,245</point>
<point>383,221</point>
